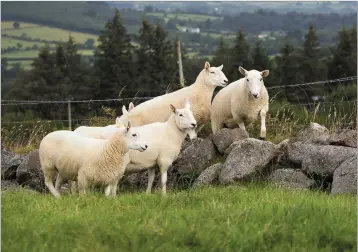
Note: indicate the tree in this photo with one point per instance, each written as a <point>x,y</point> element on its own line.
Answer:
<point>240,55</point>
<point>113,60</point>
<point>311,67</point>
<point>144,58</point>
<point>259,57</point>
<point>221,55</point>
<point>16,25</point>
<point>89,43</point>
<point>344,61</point>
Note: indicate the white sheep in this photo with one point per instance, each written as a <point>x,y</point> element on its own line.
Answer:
<point>89,161</point>
<point>199,94</point>
<point>164,143</point>
<point>241,102</point>
<point>96,132</point>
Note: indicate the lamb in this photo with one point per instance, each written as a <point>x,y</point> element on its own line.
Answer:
<point>199,94</point>
<point>164,140</point>
<point>89,161</point>
<point>96,132</point>
<point>241,101</point>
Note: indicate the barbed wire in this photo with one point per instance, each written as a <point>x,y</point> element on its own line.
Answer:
<point>34,102</point>
<point>316,82</point>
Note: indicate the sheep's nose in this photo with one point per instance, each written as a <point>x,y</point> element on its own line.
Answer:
<point>225,81</point>
<point>255,95</point>
<point>193,124</point>
<point>146,146</point>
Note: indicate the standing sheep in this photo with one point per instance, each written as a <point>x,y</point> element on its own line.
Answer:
<point>96,132</point>
<point>164,140</point>
<point>87,160</point>
<point>199,94</point>
<point>241,102</point>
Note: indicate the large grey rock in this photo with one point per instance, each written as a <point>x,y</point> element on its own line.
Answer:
<point>196,157</point>
<point>209,175</point>
<point>9,185</point>
<point>249,157</point>
<point>9,164</point>
<point>345,177</point>
<point>344,137</point>
<point>319,159</point>
<point>225,137</point>
<point>313,133</point>
<point>291,178</point>
<point>29,172</point>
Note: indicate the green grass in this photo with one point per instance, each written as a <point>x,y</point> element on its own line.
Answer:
<point>50,33</point>
<point>8,42</point>
<point>9,25</point>
<point>252,218</point>
<point>184,16</point>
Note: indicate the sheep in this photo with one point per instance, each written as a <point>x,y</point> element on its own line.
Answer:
<point>164,140</point>
<point>96,132</point>
<point>87,160</point>
<point>199,94</point>
<point>240,102</point>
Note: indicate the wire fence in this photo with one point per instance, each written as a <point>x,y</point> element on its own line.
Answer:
<point>332,103</point>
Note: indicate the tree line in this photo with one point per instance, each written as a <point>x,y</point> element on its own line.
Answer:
<point>120,70</point>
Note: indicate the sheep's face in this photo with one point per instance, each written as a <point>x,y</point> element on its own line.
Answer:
<point>254,80</point>
<point>214,76</point>
<point>185,119</point>
<point>133,139</point>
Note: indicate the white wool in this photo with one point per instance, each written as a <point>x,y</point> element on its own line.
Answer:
<point>164,143</point>
<point>236,105</point>
<point>96,132</point>
<point>87,160</point>
<point>199,94</point>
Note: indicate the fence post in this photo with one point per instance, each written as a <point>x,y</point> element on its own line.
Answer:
<point>180,63</point>
<point>69,115</point>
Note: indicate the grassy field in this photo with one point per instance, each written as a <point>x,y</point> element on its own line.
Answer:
<point>50,33</point>
<point>235,218</point>
<point>8,42</point>
<point>9,25</point>
<point>184,16</point>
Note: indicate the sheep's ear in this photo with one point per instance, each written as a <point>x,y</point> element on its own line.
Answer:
<point>265,73</point>
<point>131,106</point>
<point>128,126</point>
<point>173,108</point>
<point>221,67</point>
<point>242,70</point>
<point>207,66</point>
<point>187,104</point>
<point>118,121</point>
<point>124,110</point>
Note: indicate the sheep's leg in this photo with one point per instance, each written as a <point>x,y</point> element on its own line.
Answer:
<point>82,184</point>
<point>164,165</point>
<point>59,181</point>
<point>240,122</point>
<point>114,187</point>
<point>108,190</point>
<point>200,128</point>
<point>263,123</point>
<point>151,175</point>
<point>49,175</point>
<point>74,188</point>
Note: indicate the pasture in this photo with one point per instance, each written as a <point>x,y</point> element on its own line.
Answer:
<point>235,218</point>
<point>184,16</point>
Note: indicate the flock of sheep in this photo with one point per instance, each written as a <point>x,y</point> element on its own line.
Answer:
<point>151,133</point>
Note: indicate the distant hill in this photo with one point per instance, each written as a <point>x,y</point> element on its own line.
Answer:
<point>233,8</point>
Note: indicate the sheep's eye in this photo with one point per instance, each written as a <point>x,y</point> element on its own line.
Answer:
<point>261,79</point>
<point>212,72</point>
<point>134,135</point>
<point>247,79</point>
<point>180,114</point>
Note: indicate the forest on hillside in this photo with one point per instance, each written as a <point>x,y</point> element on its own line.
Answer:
<point>120,70</point>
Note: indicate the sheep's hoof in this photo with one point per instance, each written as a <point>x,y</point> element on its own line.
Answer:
<point>262,138</point>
